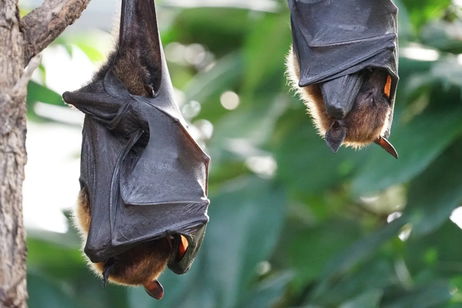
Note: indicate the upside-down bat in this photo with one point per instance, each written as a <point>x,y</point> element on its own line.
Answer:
<point>343,63</point>
<point>143,200</point>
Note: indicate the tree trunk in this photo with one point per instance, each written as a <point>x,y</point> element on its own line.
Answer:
<point>20,41</point>
<point>13,291</point>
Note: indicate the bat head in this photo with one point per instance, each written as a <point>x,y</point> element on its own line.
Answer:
<point>143,263</point>
<point>364,112</point>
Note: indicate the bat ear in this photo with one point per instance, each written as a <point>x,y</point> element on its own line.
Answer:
<point>387,146</point>
<point>335,136</point>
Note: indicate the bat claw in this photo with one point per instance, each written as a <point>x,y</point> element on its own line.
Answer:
<point>154,289</point>
<point>107,270</point>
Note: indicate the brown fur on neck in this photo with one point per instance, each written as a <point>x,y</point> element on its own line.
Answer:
<point>364,123</point>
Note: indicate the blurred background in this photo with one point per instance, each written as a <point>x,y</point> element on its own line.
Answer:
<point>291,224</point>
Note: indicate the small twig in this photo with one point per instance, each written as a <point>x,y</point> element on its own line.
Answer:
<point>19,89</point>
<point>41,26</point>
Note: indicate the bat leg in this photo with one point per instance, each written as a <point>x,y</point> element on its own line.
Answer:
<point>154,289</point>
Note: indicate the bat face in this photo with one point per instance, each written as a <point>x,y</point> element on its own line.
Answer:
<point>352,110</point>
<point>143,203</point>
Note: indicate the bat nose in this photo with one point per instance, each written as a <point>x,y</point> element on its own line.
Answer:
<point>339,94</point>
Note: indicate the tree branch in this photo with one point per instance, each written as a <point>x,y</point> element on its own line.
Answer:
<point>20,88</point>
<point>41,26</point>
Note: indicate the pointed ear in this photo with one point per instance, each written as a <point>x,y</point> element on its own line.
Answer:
<point>335,136</point>
<point>387,146</point>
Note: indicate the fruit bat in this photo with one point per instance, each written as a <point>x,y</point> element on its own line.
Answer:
<point>143,200</point>
<point>343,63</point>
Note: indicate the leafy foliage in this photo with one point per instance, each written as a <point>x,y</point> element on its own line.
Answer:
<point>291,223</point>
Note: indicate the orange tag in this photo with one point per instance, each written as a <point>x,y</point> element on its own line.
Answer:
<point>387,87</point>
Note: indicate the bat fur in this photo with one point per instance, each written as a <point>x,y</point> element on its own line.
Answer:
<point>365,123</point>
<point>138,266</point>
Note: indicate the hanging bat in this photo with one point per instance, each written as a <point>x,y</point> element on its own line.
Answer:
<point>143,200</point>
<point>343,63</point>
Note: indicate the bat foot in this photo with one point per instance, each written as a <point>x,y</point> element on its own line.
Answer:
<point>154,289</point>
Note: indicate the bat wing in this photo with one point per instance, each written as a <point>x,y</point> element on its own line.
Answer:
<point>334,39</point>
<point>145,175</point>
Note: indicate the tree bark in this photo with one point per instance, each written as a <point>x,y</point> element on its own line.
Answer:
<point>13,291</point>
<point>20,40</point>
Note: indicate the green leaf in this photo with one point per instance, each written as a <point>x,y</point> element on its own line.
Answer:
<point>436,192</point>
<point>216,80</point>
<point>305,163</point>
<point>443,35</point>
<point>368,278</point>
<point>435,254</point>
<point>264,54</point>
<point>44,293</point>
<point>268,292</point>
<point>435,294</point>
<point>39,93</point>
<point>58,260</point>
<point>424,10</point>
<point>418,143</point>
<point>310,248</point>
<point>355,254</point>
<point>368,299</point>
